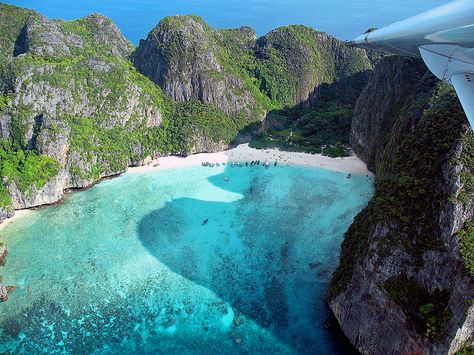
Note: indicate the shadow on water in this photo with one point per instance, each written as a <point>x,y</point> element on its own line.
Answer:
<point>254,254</point>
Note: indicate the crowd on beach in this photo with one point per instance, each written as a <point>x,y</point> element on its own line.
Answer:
<point>239,164</point>
<point>243,154</point>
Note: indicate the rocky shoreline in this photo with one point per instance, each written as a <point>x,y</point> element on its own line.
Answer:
<point>4,290</point>
<point>404,284</point>
<point>405,280</point>
<point>242,152</point>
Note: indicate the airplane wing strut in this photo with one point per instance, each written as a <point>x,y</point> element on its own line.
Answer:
<point>443,37</point>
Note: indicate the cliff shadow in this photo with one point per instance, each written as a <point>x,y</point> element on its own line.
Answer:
<point>323,119</point>
<point>252,254</point>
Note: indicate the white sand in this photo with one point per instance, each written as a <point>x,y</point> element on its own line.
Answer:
<point>243,153</point>
<point>18,214</point>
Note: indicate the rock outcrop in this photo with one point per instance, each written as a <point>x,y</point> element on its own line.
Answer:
<point>4,290</point>
<point>187,58</point>
<point>51,192</point>
<point>297,64</point>
<point>379,105</point>
<point>3,254</point>
<point>239,73</point>
<point>3,293</point>
<point>71,103</point>
<point>73,108</point>
<point>405,279</point>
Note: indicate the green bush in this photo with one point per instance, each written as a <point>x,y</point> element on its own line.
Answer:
<point>25,168</point>
<point>466,236</point>
<point>307,130</point>
<point>466,350</point>
<point>427,313</point>
<point>337,150</point>
<point>409,186</point>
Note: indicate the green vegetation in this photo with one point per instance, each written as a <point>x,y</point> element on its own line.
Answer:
<point>466,236</point>
<point>12,22</point>
<point>104,81</point>
<point>272,75</point>
<point>274,72</point>
<point>93,75</point>
<point>410,182</point>
<point>87,65</point>
<point>466,350</point>
<point>206,119</point>
<point>321,130</point>
<point>4,101</point>
<point>354,246</point>
<point>427,313</point>
<point>290,56</point>
<point>96,138</point>
<point>287,56</point>
<point>337,150</point>
<point>466,160</point>
<point>5,199</point>
<point>88,29</point>
<point>24,168</point>
<point>112,149</point>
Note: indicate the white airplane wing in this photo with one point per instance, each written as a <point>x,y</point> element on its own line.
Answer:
<point>443,37</point>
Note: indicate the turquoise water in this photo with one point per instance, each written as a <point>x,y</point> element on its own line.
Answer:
<point>342,18</point>
<point>128,267</point>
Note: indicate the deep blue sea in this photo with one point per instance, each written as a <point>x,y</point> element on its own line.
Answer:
<point>128,267</point>
<point>344,19</point>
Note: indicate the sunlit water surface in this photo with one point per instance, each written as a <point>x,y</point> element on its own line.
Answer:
<point>127,266</point>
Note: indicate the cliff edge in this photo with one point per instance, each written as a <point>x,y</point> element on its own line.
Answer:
<point>405,279</point>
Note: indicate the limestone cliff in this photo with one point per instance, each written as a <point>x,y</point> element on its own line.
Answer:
<point>297,65</point>
<point>187,58</point>
<point>237,72</point>
<point>405,279</point>
<point>380,103</point>
<point>71,103</point>
<point>74,109</point>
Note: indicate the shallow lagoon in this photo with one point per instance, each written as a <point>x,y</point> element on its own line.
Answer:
<point>128,266</point>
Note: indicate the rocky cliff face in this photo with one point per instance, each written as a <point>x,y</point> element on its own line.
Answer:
<point>391,85</point>
<point>187,58</point>
<point>405,280</point>
<point>297,63</point>
<point>238,73</point>
<point>69,94</point>
<point>74,109</point>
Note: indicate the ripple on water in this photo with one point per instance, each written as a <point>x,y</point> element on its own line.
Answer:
<point>128,265</point>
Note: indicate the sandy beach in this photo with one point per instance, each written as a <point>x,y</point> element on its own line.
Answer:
<point>243,153</point>
<point>18,214</point>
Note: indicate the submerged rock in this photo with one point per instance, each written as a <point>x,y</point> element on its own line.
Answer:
<point>169,323</point>
<point>314,265</point>
<point>238,320</point>
<point>3,293</point>
<point>3,254</point>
